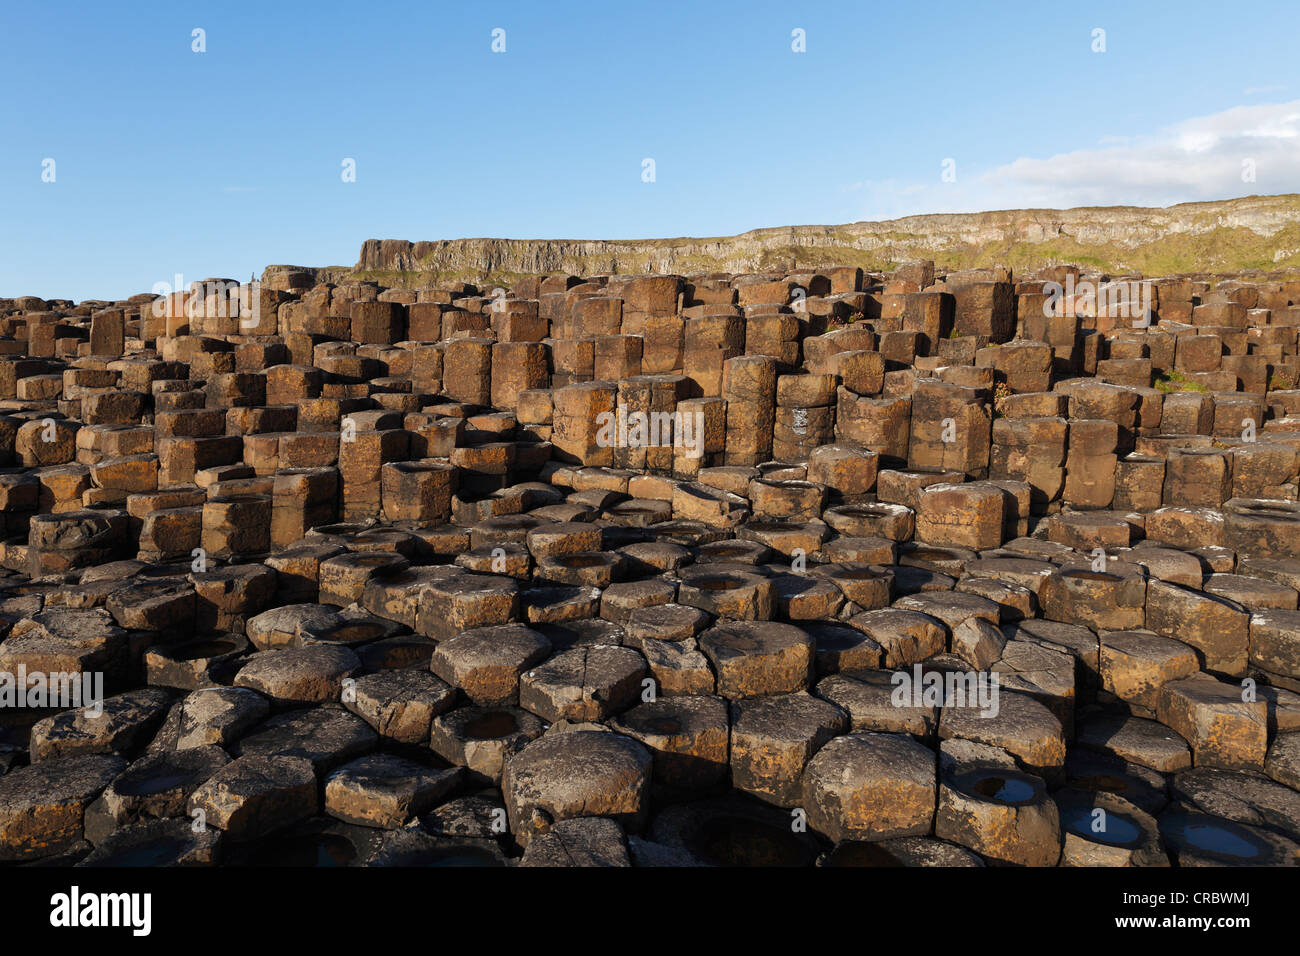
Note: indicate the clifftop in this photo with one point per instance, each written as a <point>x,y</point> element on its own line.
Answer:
<point>1256,232</point>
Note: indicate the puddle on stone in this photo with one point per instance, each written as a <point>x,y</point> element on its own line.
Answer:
<point>1225,840</point>
<point>865,511</point>
<point>344,528</point>
<point>1119,829</point>
<point>928,554</point>
<point>718,584</point>
<point>1009,787</point>
<point>351,633</point>
<point>1005,790</point>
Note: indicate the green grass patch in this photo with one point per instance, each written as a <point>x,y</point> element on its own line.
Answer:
<point>1173,380</point>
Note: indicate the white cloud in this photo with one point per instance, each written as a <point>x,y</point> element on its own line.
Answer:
<point>1195,159</point>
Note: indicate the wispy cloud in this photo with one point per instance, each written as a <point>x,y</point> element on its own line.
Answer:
<point>1205,157</point>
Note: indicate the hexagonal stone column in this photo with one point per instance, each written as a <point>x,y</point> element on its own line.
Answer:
<point>1022,726</point>
<point>870,787</point>
<point>43,806</point>
<point>589,841</point>
<point>989,805</point>
<point>382,790</point>
<point>583,773</point>
<point>772,739</point>
<point>400,704</point>
<point>485,662</point>
<point>303,675</point>
<point>688,736</point>
<point>1112,600</point>
<point>754,658</point>
<point>480,739</point>
<point>255,795</point>
<point>583,684</point>
<point>1219,629</point>
<point>1223,729</point>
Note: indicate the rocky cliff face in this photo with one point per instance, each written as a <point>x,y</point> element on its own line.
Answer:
<point>1258,232</point>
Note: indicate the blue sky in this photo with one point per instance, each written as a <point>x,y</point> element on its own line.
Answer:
<point>169,161</point>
